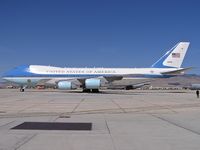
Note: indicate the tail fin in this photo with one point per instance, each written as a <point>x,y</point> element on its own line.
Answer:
<point>174,57</point>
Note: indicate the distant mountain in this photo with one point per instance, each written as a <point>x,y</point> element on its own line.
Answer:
<point>2,84</point>
<point>191,75</point>
<point>180,81</point>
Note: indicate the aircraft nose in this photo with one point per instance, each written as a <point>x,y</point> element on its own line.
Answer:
<point>6,75</point>
<point>15,72</point>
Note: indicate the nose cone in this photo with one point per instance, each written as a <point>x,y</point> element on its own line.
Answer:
<point>8,74</point>
<point>4,76</point>
<point>15,72</point>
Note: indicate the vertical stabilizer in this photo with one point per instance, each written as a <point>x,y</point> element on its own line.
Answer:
<point>174,57</point>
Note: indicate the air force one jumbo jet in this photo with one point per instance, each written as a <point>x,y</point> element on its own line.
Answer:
<point>92,79</point>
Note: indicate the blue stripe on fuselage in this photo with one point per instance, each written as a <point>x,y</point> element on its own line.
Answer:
<point>159,63</point>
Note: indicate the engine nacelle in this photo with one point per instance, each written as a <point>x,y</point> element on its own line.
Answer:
<point>66,85</point>
<point>195,87</point>
<point>92,83</point>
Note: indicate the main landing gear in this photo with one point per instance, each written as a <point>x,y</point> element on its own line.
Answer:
<point>95,90</point>
<point>91,90</point>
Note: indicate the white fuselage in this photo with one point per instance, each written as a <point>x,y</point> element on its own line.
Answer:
<point>36,73</point>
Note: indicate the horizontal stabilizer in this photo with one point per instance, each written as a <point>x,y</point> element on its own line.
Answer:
<point>176,72</point>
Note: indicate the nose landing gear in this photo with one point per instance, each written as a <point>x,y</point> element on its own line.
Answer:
<point>22,89</point>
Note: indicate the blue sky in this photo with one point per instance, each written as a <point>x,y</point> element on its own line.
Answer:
<point>96,33</point>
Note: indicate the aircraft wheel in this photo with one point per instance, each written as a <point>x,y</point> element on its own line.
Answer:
<point>128,87</point>
<point>95,90</point>
<point>86,90</point>
<point>21,90</point>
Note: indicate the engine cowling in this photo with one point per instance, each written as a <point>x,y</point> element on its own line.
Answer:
<point>66,85</point>
<point>195,87</point>
<point>92,83</point>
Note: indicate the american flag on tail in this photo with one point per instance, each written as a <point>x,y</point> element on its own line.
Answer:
<point>176,55</point>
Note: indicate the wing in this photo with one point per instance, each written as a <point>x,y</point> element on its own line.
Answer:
<point>43,81</point>
<point>54,81</point>
<point>128,86</point>
<point>106,81</point>
<point>113,78</point>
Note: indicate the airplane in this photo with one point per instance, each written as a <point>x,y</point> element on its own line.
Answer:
<point>92,79</point>
<point>195,86</point>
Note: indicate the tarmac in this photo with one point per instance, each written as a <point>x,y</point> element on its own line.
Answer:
<point>121,120</point>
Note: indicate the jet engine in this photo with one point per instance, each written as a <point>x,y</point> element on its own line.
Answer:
<point>92,83</point>
<point>195,87</point>
<point>66,85</point>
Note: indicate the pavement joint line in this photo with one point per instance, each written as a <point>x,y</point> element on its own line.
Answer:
<point>160,106</point>
<point>54,118</point>
<point>123,110</point>
<point>27,108</point>
<point>175,124</point>
<point>109,132</point>
<point>27,115</point>
<point>51,100</point>
<point>78,104</point>
<point>7,124</point>
<point>24,141</point>
<point>2,112</point>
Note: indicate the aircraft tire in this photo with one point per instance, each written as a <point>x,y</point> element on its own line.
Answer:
<point>86,90</point>
<point>21,90</point>
<point>95,90</point>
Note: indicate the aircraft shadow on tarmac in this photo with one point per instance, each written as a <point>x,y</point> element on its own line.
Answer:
<point>118,92</point>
